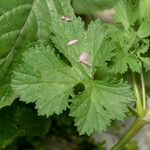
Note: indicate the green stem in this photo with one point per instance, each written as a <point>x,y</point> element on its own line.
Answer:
<point>133,111</point>
<point>143,91</point>
<point>137,94</point>
<point>136,126</point>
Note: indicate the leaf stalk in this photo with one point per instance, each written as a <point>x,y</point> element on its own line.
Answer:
<point>125,139</point>
<point>143,91</point>
<point>137,94</point>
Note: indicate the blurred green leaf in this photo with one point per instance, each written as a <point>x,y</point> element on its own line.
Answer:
<point>144,29</point>
<point>91,6</point>
<point>144,9</point>
<point>126,12</point>
<point>19,120</point>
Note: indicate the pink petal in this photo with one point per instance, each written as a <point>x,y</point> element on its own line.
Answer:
<point>72,42</point>
<point>84,57</point>
<point>65,18</point>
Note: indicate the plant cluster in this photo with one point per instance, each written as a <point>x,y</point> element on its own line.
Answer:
<point>48,58</point>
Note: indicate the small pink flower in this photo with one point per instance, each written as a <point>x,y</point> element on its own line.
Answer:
<point>65,18</point>
<point>84,59</point>
<point>72,42</point>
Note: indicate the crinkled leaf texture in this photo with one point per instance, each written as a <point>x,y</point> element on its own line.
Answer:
<point>125,58</point>
<point>22,24</point>
<point>19,120</point>
<point>129,41</point>
<point>93,42</point>
<point>127,12</point>
<point>99,103</point>
<point>45,79</point>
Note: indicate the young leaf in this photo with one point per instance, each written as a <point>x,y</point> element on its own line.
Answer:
<point>44,79</point>
<point>142,50</point>
<point>123,60</point>
<point>126,55</point>
<point>127,40</point>
<point>126,13</point>
<point>146,62</point>
<point>93,42</point>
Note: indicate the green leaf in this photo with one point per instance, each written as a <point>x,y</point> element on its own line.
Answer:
<point>98,104</point>
<point>93,42</point>
<point>146,62</point>
<point>126,12</point>
<point>126,53</point>
<point>103,72</point>
<point>100,49</point>
<point>144,48</point>
<point>18,120</point>
<point>144,9</point>
<point>125,60</point>
<point>44,79</point>
<point>117,34</point>
<point>129,39</point>
<point>144,30</point>
<point>60,7</point>
<point>90,7</point>
<point>21,25</point>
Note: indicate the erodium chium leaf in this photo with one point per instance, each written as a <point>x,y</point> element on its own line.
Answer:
<point>45,79</point>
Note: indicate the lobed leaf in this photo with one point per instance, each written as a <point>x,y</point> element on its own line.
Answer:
<point>98,104</point>
<point>129,38</point>
<point>93,42</point>
<point>48,81</point>
<point>44,79</point>
<point>127,12</point>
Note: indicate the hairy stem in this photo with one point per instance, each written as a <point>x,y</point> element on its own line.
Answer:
<point>133,111</point>
<point>137,94</point>
<point>135,127</point>
<point>143,91</point>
